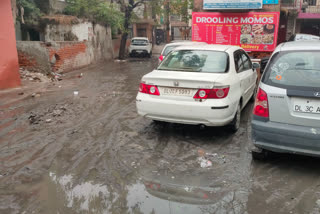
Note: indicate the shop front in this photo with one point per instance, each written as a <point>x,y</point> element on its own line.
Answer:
<point>250,24</point>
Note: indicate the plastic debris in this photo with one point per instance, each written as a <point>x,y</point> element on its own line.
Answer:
<point>48,120</point>
<point>76,93</point>
<point>204,163</point>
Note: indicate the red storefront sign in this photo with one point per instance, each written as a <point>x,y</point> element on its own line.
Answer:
<point>252,31</point>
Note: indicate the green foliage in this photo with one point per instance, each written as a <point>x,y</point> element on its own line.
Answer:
<point>97,10</point>
<point>181,7</point>
<point>31,12</point>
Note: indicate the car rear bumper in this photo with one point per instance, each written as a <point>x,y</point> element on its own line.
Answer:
<point>138,52</point>
<point>286,138</point>
<point>185,112</point>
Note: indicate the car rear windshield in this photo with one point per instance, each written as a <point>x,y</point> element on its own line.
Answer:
<point>294,70</point>
<point>196,61</point>
<point>140,42</point>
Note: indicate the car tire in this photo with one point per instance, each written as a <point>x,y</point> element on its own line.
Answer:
<point>131,54</point>
<point>260,155</point>
<point>235,124</point>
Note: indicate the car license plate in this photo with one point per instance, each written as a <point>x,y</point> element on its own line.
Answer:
<point>306,105</point>
<point>177,92</point>
<point>139,51</point>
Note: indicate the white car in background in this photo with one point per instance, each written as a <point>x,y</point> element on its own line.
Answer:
<point>201,85</point>
<point>140,46</point>
<point>174,44</point>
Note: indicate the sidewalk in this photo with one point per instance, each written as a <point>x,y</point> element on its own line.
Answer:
<point>157,49</point>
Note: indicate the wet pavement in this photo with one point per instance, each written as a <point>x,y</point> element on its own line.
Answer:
<point>92,153</point>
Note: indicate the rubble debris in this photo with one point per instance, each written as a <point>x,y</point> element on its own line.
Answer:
<point>34,76</point>
<point>48,120</point>
<point>34,119</point>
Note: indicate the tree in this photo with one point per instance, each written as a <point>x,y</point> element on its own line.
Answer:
<point>181,8</point>
<point>127,8</point>
<point>100,11</point>
<point>29,13</point>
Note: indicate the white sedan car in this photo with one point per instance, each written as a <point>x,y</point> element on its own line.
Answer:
<point>202,85</point>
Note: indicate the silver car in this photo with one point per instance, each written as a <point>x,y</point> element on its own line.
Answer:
<point>286,115</point>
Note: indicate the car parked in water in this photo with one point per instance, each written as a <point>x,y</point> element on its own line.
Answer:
<point>140,46</point>
<point>286,116</point>
<point>201,85</point>
<point>174,44</point>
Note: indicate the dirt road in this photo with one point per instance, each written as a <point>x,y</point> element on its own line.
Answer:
<point>92,153</point>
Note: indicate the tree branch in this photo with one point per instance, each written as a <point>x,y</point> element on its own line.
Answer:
<point>137,4</point>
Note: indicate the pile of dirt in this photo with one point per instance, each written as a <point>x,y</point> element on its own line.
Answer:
<point>34,76</point>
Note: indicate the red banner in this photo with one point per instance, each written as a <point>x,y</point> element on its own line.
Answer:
<point>252,31</point>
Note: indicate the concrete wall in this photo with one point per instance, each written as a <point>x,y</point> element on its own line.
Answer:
<point>62,32</point>
<point>9,68</point>
<point>63,56</point>
<point>34,56</point>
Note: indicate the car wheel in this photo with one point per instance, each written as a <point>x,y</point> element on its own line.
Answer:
<point>260,154</point>
<point>131,54</point>
<point>235,124</point>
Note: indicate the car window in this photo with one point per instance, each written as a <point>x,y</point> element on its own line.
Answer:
<point>294,69</point>
<point>246,61</point>
<point>196,61</point>
<point>141,42</point>
<point>168,49</point>
<point>238,62</point>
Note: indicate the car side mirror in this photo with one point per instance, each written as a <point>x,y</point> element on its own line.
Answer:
<point>255,65</point>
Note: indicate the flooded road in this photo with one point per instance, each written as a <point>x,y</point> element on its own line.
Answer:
<point>92,153</point>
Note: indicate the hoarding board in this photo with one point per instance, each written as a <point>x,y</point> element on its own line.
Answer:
<point>270,1</point>
<point>232,4</point>
<point>252,31</point>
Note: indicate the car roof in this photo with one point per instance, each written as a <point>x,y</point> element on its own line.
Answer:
<point>304,34</point>
<point>298,45</point>
<point>183,43</point>
<point>208,47</point>
<point>144,38</point>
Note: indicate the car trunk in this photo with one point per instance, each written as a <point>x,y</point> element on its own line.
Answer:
<point>181,85</point>
<point>297,107</point>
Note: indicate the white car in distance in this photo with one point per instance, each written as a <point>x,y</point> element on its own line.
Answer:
<point>140,46</point>
<point>201,85</point>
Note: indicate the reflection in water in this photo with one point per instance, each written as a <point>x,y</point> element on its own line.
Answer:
<point>85,196</point>
<point>169,199</point>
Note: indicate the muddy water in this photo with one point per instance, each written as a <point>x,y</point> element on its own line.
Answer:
<point>92,153</point>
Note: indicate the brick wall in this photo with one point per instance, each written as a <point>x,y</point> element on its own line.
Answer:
<point>57,57</point>
<point>66,56</point>
<point>26,61</point>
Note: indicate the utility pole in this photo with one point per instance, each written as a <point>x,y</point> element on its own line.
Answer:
<point>167,15</point>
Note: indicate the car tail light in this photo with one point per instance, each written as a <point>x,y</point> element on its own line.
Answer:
<point>149,89</point>
<point>215,93</point>
<point>261,107</point>
<point>161,57</point>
